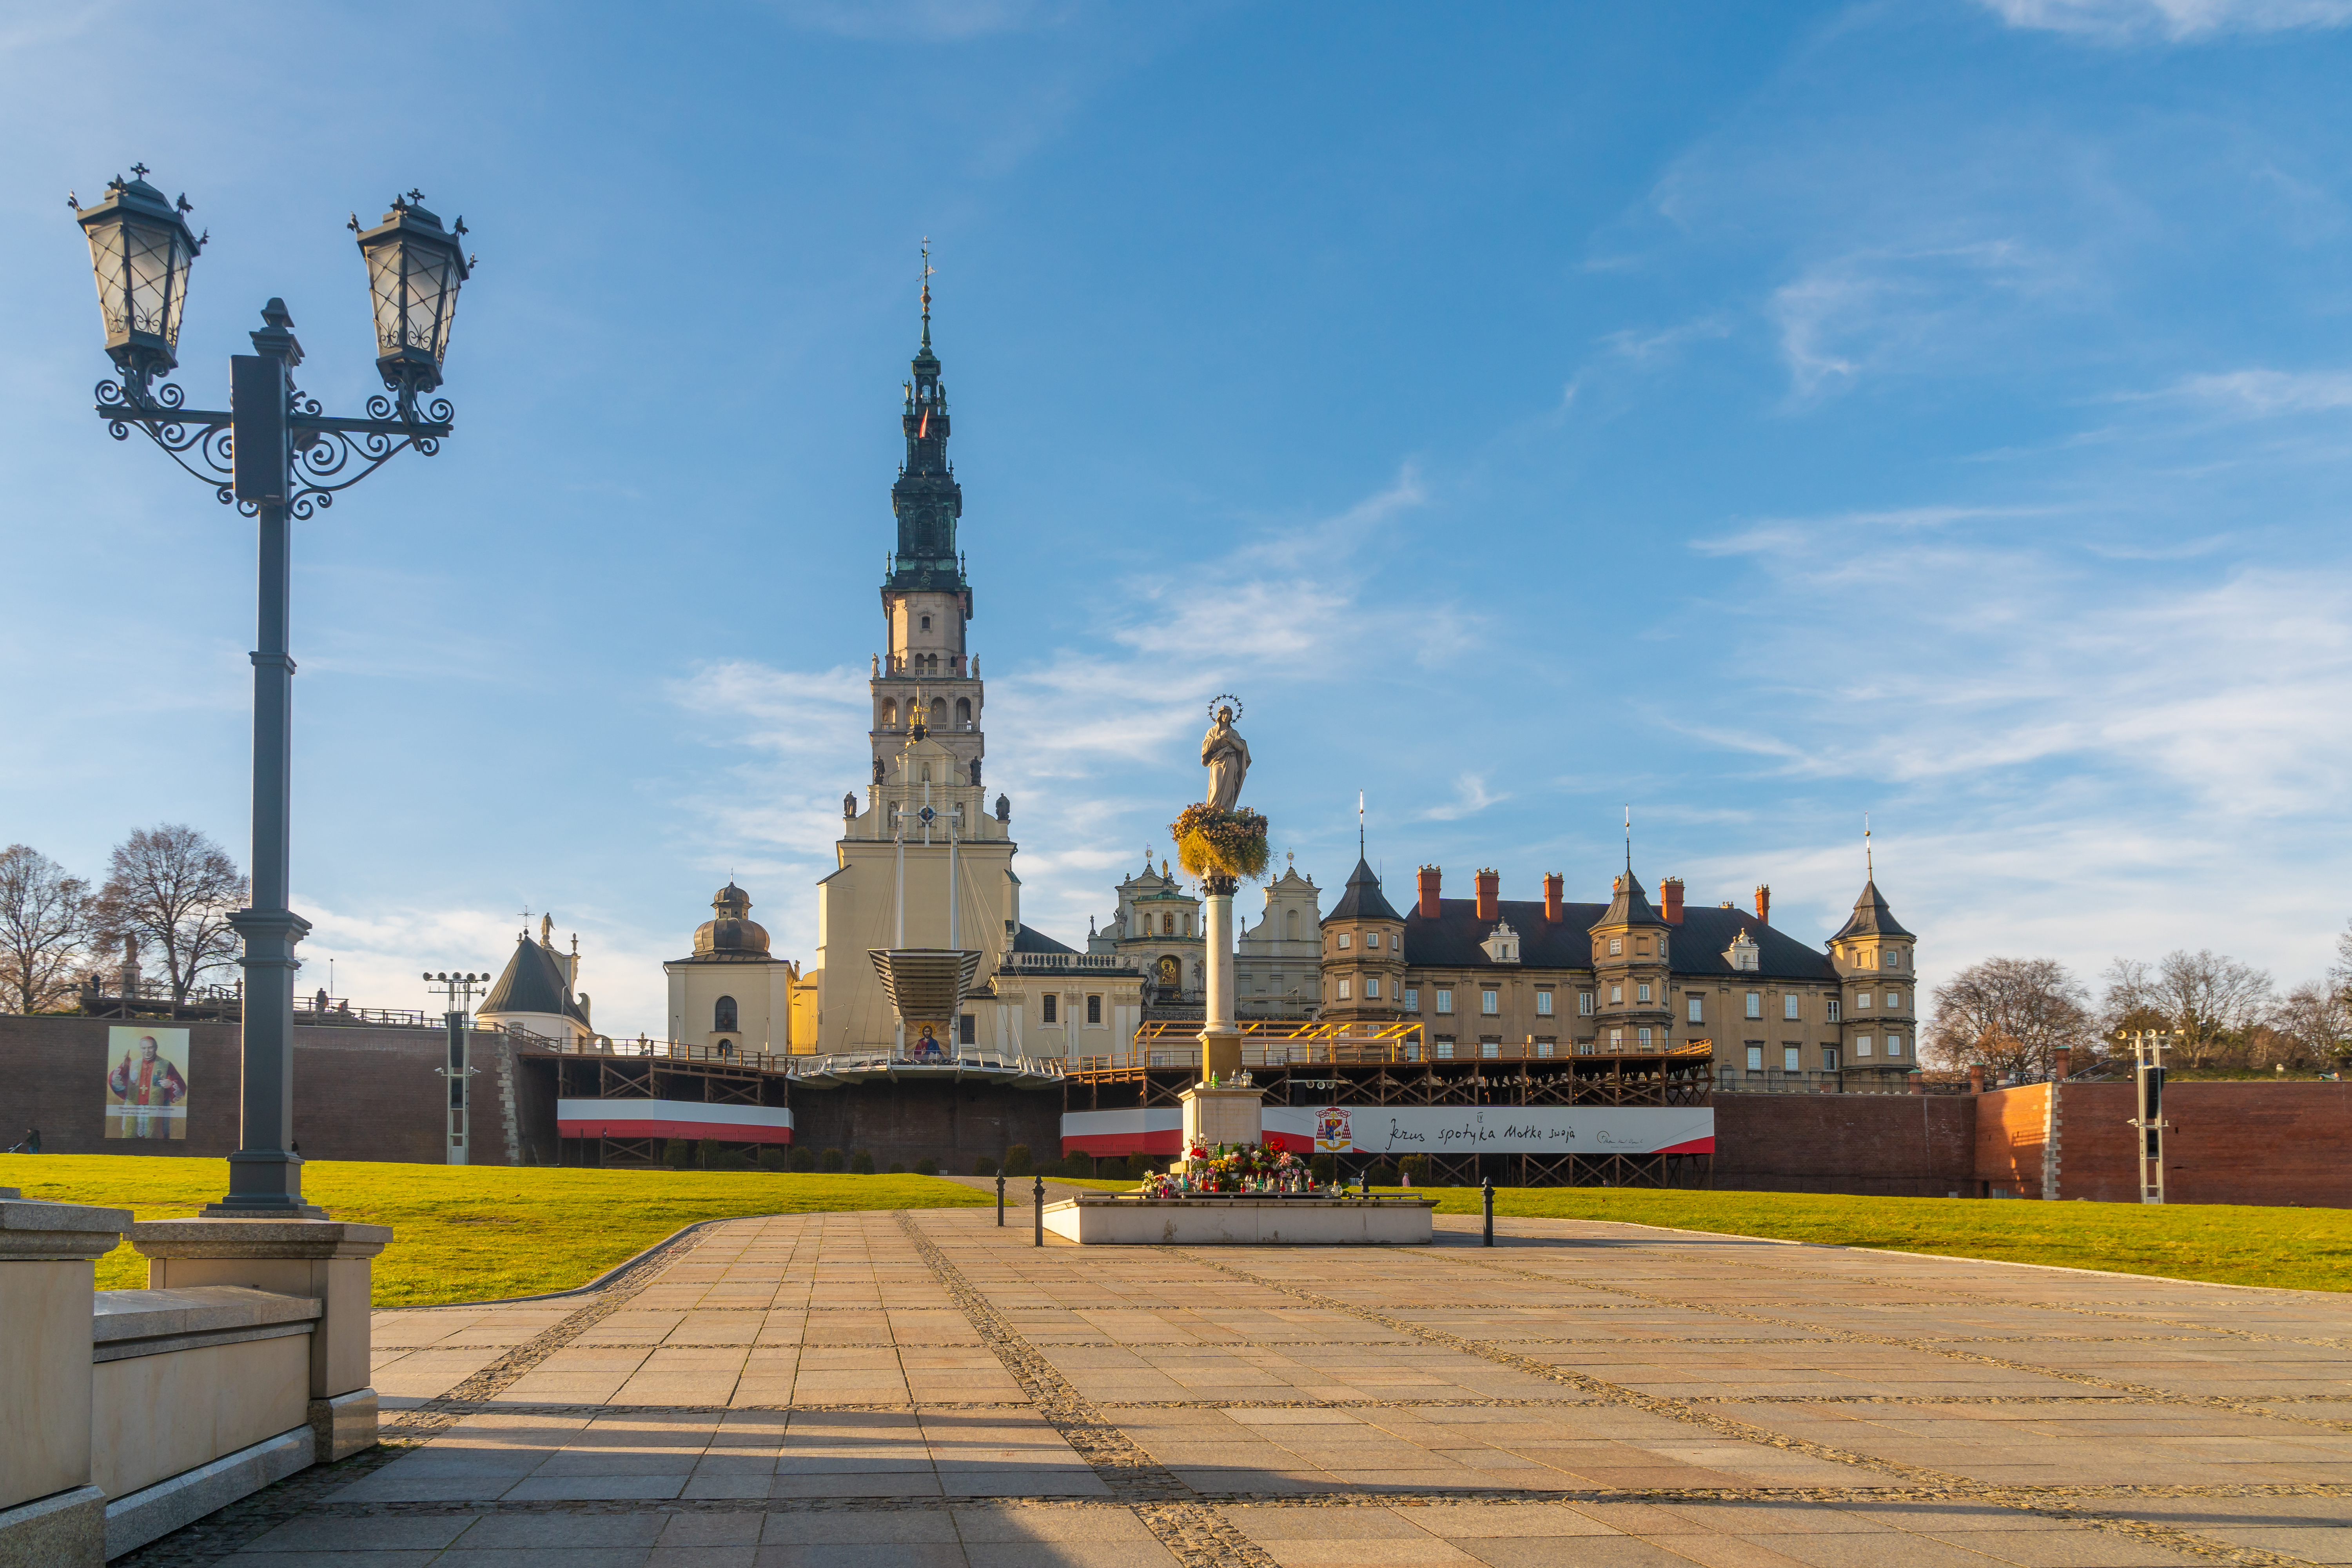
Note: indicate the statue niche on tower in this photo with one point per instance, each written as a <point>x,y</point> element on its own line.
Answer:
<point>1221,841</point>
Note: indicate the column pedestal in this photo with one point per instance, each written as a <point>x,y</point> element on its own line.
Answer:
<point>1214,1116</point>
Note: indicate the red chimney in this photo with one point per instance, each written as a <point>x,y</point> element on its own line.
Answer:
<point>1429,881</point>
<point>1670,900</point>
<point>1764,902</point>
<point>1490,895</point>
<point>1553,914</point>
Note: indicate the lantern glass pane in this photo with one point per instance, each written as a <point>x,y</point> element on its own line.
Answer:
<point>147,254</point>
<point>428,278</point>
<point>383,286</point>
<point>106,263</point>
<point>181,257</point>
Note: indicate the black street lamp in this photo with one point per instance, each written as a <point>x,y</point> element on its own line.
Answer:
<point>275,456</point>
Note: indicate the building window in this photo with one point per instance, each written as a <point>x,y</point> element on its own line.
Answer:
<point>1489,1047</point>
<point>1093,1009</point>
<point>1756,1003</point>
<point>1894,1045</point>
<point>1411,996</point>
<point>1444,999</point>
<point>1445,1047</point>
<point>1790,1060</point>
<point>1640,993</point>
<point>1371,988</point>
<point>1616,945</point>
<point>1788,1006</point>
<point>1546,1046</point>
<point>1050,1008</point>
<point>1347,989</point>
<point>1829,1058</point>
<point>1584,1004</point>
<point>1490,1002</point>
<point>1584,1047</point>
<point>722,1015</point>
<point>1345,940</point>
<point>927,623</point>
<point>967,1030</point>
<point>1861,1002</point>
<point>1167,925</point>
<point>1616,1039</point>
<point>1543,1003</point>
<point>1698,1009</point>
<point>1617,995</point>
<point>1895,1001</point>
<point>1834,1009</point>
<point>1862,1044</point>
<point>1894,958</point>
<point>1755,1058</point>
<point>964,712</point>
<point>1372,940</point>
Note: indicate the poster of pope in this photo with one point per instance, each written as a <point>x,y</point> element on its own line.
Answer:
<point>146,1082</point>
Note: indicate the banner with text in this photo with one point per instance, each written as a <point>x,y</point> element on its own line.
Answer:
<point>1418,1130</point>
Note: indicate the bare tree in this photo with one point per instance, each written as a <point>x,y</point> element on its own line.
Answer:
<point>174,888</point>
<point>44,929</point>
<point>2312,1027</point>
<point>2011,1015</point>
<point>2214,1001</point>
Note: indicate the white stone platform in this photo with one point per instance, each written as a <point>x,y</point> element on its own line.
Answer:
<point>1243,1218</point>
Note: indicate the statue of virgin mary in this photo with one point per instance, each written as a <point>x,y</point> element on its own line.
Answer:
<point>1227,757</point>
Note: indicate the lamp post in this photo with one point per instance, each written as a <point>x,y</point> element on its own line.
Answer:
<point>458,1019</point>
<point>276,457</point>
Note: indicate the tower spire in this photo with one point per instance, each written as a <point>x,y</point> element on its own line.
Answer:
<point>927,269</point>
<point>1360,825</point>
<point>1869,872</point>
<point>1629,842</point>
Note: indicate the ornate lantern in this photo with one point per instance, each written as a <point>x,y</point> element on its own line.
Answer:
<point>414,269</point>
<point>140,249</point>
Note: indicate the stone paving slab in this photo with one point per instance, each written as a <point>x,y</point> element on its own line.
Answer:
<point>909,1389</point>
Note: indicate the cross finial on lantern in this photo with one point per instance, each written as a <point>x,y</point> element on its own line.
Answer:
<point>414,194</point>
<point>139,171</point>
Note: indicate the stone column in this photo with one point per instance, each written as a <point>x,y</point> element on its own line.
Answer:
<point>49,1511</point>
<point>1221,1042</point>
<point>327,1260</point>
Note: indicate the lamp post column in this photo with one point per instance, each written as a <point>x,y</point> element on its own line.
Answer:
<point>264,1177</point>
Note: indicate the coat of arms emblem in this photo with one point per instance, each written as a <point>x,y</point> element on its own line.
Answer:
<point>1331,1135</point>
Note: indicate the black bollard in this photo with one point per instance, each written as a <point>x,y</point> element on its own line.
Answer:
<point>1037,1208</point>
<point>1487,1196</point>
<point>1000,1199</point>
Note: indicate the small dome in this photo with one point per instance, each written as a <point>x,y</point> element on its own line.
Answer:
<point>732,934</point>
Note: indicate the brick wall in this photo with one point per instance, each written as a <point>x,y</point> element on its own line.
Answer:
<point>2011,1127</point>
<point>1904,1145</point>
<point>358,1093</point>
<point>2231,1143</point>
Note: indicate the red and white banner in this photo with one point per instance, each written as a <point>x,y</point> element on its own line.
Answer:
<point>1418,1130</point>
<point>673,1118</point>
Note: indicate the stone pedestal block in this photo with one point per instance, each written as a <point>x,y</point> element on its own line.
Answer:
<point>1214,1116</point>
<point>325,1259</point>
<point>1211,1219</point>
<point>50,1513</point>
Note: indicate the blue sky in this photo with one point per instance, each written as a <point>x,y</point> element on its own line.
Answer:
<point>1759,414</point>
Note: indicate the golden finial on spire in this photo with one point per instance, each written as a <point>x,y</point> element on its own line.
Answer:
<point>928,272</point>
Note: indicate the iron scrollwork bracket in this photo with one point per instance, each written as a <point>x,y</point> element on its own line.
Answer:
<point>330,453</point>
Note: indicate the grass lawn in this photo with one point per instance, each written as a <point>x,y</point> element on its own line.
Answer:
<point>463,1233</point>
<point>2300,1248</point>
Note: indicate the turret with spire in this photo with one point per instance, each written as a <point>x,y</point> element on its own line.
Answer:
<point>1876,957</point>
<point>928,676</point>
<point>1631,966</point>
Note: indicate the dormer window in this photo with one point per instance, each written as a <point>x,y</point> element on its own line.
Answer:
<point>1743,955</point>
<point>1502,944</point>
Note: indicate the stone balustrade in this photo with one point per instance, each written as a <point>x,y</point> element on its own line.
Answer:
<point>132,1412</point>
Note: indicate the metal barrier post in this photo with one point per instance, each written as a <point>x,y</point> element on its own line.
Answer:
<point>1000,1200</point>
<point>1486,1199</point>
<point>1037,1208</point>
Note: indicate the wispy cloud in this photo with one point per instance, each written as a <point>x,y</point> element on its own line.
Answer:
<point>2265,393</point>
<point>1645,348</point>
<point>1886,311</point>
<point>1470,796</point>
<point>927,21</point>
<point>2124,21</point>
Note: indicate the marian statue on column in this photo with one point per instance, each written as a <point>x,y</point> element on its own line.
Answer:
<point>1227,757</point>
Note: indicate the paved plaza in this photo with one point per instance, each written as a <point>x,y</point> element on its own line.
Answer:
<point>921,1388</point>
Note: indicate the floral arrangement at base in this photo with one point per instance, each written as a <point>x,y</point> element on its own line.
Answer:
<point>1232,1168</point>
<point>1213,843</point>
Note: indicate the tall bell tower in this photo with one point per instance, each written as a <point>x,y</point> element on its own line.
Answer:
<point>928,673</point>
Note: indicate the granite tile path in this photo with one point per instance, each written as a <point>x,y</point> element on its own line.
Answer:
<point>924,1387</point>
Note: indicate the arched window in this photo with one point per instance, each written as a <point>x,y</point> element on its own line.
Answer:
<point>964,712</point>
<point>938,713</point>
<point>889,713</point>
<point>1290,924</point>
<point>1168,925</point>
<point>722,1015</point>
<point>927,623</point>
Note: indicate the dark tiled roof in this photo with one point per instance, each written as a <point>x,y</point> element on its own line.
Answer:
<point>1630,905</point>
<point>1696,946</point>
<point>1871,916</point>
<point>1363,901</point>
<point>1029,939</point>
<point>532,982</point>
